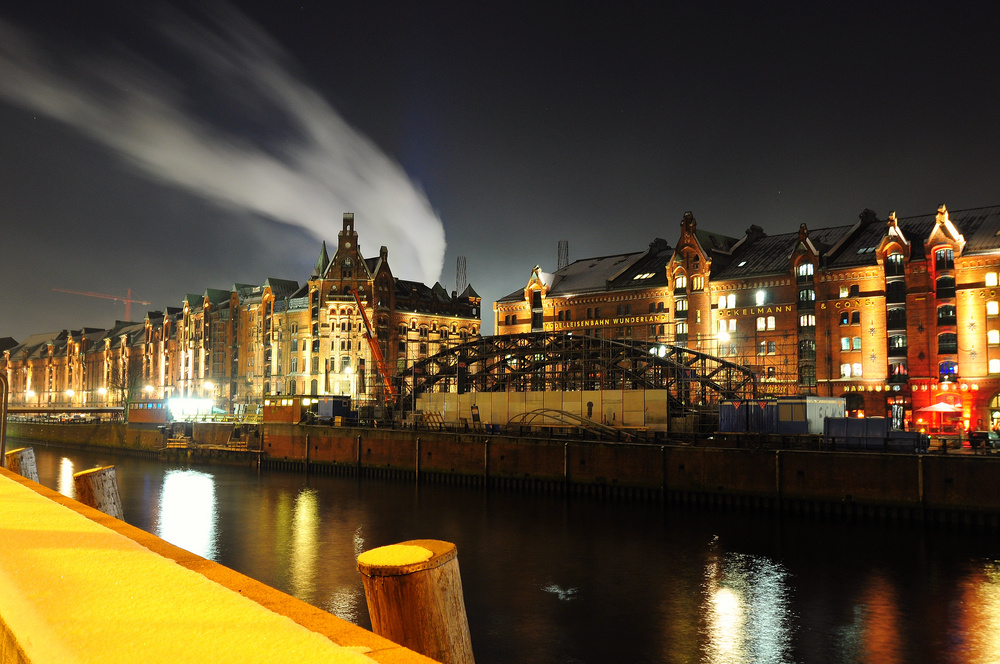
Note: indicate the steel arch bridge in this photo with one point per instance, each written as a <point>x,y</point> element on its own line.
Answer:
<point>549,361</point>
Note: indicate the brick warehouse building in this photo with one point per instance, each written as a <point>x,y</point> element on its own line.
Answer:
<point>241,344</point>
<point>895,315</point>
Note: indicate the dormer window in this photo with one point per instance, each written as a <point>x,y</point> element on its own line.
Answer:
<point>944,259</point>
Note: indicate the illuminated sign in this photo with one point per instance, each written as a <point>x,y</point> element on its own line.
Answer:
<point>622,320</point>
<point>757,311</point>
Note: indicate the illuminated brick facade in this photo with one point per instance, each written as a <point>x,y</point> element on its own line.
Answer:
<point>895,315</point>
<point>241,344</point>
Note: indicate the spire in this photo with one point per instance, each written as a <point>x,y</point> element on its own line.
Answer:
<point>322,262</point>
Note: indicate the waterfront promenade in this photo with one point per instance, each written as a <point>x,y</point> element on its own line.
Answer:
<point>79,586</point>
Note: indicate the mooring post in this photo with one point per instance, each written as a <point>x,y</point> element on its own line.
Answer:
<point>98,488</point>
<point>22,462</point>
<point>414,594</point>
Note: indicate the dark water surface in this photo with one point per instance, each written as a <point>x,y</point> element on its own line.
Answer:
<point>555,579</point>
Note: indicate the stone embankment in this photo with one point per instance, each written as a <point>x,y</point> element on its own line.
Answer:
<point>939,487</point>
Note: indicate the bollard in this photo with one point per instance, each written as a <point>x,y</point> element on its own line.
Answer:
<point>22,462</point>
<point>98,488</point>
<point>414,594</point>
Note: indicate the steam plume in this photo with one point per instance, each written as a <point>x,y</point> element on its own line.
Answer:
<point>238,128</point>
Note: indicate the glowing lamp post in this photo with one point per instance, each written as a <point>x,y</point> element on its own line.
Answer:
<point>30,394</point>
<point>69,396</point>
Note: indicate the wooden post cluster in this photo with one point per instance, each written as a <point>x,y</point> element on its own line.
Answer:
<point>22,462</point>
<point>98,488</point>
<point>414,594</point>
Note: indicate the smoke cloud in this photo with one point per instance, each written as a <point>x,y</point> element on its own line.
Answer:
<point>213,106</point>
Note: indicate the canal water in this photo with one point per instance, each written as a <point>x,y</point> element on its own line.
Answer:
<point>557,579</point>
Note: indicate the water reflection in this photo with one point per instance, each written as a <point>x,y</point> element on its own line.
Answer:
<point>980,618</point>
<point>188,512</point>
<point>65,485</point>
<point>746,611</point>
<point>305,544</point>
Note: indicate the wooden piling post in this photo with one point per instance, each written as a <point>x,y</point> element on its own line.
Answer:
<point>22,462</point>
<point>98,488</point>
<point>414,594</point>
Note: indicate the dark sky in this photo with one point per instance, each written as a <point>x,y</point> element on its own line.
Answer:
<point>168,148</point>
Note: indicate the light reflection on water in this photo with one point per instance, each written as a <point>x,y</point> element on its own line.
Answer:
<point>305,544</point>
<point>66,485</point>
<point>187,516</point>
<point>746,611</point>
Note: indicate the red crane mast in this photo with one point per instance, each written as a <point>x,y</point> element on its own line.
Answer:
<point>128,299</point>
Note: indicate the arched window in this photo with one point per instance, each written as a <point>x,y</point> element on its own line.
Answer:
<point>945,287</point>
<point>948,371</point>
<point>947,343</point>
<point>895,292</point>
<point>944,259</point>
<point>894,265</point>
<point>896,319</point>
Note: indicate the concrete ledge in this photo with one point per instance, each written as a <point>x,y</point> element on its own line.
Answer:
<point>79,586</point>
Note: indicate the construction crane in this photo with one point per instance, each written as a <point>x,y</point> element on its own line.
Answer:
<point>376,350</point>
<point>128,299</point>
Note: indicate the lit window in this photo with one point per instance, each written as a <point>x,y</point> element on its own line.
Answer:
<point>760,297</point>
<point>762,348</point>
<point>856,369</point>
<point>994,366</point>
<point>772,348</point>
<point>732,324</point>
<point>805,269</point>
<point>698,283</point>
<point>807,320</point>
<point>991,278</point>
<point>845,343</point>
<point>770,322</point>
<point>732,300</point>
<point>722,302</point>
<point>843,291</point>
<point>722,325</point>
<point>682,328</point>
<point>681,305</point>
<point>992,308</point>
<point>680,282</point>
<point>845,370</point>
<point>857,343</point>
<point>761,323</point>
<point>993,336</point>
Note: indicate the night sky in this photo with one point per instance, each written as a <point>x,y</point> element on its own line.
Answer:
<point>169,148</point>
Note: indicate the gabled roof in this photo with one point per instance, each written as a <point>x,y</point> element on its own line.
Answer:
<point>281,287</point>
<point>648,270</point>
<point>217,295</point>
<point>470,293</point>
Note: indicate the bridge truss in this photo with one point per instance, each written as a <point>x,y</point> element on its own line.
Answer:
<point>547,361</point>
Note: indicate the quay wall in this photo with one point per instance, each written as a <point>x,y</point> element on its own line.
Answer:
<point>951,482</point>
